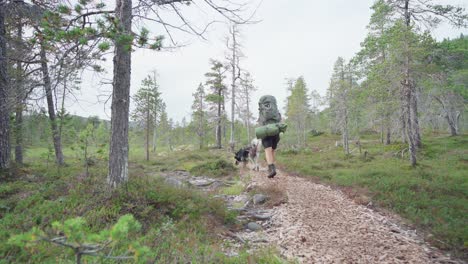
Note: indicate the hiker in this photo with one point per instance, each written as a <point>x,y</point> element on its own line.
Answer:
<point>269,118</point>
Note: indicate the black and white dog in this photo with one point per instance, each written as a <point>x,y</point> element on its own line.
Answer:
<point>250,153</point>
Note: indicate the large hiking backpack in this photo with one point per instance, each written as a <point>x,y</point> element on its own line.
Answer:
<point>268,110</point>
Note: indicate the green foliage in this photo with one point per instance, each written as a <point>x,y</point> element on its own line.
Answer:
<point>75,235</point>
<point>104,46</point>
<point>219,167</point>
<point>167,223</point>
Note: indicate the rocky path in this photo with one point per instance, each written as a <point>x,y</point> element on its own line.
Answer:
<point>319,224</point>
<point>311,223</point>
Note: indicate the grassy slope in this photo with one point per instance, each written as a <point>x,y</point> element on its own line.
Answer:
<point>178,225</point>
<point>434,195</point>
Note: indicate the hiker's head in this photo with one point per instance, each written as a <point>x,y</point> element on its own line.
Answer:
<point>266,102</point>
<point>268,110</point>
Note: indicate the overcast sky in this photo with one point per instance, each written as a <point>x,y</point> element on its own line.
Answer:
<point>292,40</point>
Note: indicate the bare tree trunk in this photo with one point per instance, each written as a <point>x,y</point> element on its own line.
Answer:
<point>50,107</point>
<point>233,87</point>
<point>4,94</point>
<point>118,155</point>
<point>453,124</point>
<point>382,131</point>
<point>218,125</point>
<point>409,127</point>
<point>201,128</point>
<point>453,130</point>
<point>389,134</point>
<point>345,133</point>
<point>248,115</point>
<point>19,104</point>
<point>404,137</point>
<point>147,126</point>
<point>155,136</point>
<point>414,117</point>
<point>408,91</point>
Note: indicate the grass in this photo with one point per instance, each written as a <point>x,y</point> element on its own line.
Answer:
<point>236,189</point>
<point>178,225</point>
<point>433,196</point>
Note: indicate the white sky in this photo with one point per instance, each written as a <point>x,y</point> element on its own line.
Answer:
<point>304,38</point>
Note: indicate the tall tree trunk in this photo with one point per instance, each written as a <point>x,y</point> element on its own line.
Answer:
<point>404,137</point>
<point>118,154</point>
<point>218,125</point>
<point>201,126</point>
<point>345,134</point>
<point>248,114</point>
<point>155,136</point>
<point>4,94</point>
<point>19,104</point>
<point>453,123</point>
<point>408,90</point>
<point>50,107</point>
<point>233,87</point>
<point>389,134</point>
<point>409,127</point>
<point>415,118</point>
<point>147,127</point>
<point>382,131</point>
<point>453,130</point>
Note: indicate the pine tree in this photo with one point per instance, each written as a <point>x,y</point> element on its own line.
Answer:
<point>298,110</point>
<point>199,115</point>
<point>148,104</point>
<point>217,96</point>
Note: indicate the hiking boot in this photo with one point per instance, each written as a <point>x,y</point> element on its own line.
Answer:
<point>271,170</point>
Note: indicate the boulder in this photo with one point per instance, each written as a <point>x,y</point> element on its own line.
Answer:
<point>259,198</point>
<point>253,226</point>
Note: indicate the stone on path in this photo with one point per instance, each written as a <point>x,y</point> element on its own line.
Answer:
<point>259,198</point>
<point>253,226</point>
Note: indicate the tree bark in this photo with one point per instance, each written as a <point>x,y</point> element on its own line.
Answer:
<point>147,126</point>
<point>118,154</point>
<point>248,116</point>
<point>4,94</point>
<point>233,86</point>
<point>453,124</point>
<point>155,135</point>
<point>218,125</point>
<point>201,125</point>
<point>389,134</point>
<point>408,91</point>
<point>50,107</point>
<point>19,104</point>
<point>415,118</point>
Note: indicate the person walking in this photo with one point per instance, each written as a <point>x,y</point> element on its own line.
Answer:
<point>269,132</point>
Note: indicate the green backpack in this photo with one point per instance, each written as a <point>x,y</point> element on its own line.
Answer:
<point>268,110</point>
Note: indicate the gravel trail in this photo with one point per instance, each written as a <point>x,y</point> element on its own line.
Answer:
<point>319,224</point>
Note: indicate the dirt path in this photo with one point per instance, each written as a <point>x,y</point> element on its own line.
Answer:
<point>318,224</point>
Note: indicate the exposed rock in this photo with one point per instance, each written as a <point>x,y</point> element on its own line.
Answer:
<point>253,226</point>
<point>259,198</point>
<point>201,182</point>
<point>174,182</point>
